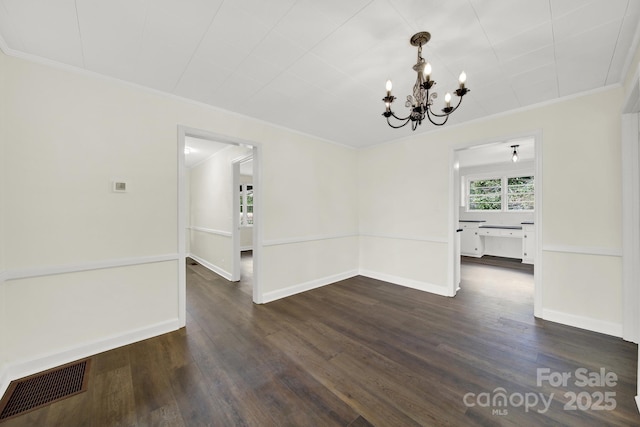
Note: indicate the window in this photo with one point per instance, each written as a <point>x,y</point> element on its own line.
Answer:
<point>501,194</point>
<point>520,194</point>
<point>246,204</point>
<point>485,195</point>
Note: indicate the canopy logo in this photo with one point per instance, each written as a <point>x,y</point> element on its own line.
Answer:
<point>499,400</point>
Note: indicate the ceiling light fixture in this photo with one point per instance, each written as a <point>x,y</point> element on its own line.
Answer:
<point>422,101</point>
<point>514,156</point>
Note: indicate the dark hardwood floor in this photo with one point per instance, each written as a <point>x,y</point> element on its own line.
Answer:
<point>360,352</point>
<point>496,261</point>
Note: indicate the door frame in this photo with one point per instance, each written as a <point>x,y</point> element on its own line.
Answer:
<point>630,150</point>
<point>454,216</point>
<point>235,234</point>
<point>184,131</point>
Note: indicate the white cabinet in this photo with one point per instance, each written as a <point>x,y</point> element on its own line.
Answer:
<point>528,243</point>
<point>471,244</point>
<point>477,239</point>
<point>502,240</point>
<point>500,232</point>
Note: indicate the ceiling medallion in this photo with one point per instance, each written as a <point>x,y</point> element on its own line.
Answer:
<point>421,102</point>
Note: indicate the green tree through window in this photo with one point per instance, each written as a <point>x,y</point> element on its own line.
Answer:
<point>485,195</point>
<point>505,194</point>
<point>520,193</point>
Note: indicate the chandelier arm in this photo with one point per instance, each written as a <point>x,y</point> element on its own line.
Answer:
<point>406,120</point>
<point>429,114</point>
<point>445,114</point>
<point>400,118</point>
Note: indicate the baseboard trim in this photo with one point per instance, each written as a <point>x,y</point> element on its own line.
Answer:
<point>638,402</point>
<point>408,283</point>
<point>218,270</point>
<point>21,369</point>
<point>307,286</point>
<point>594,325</point>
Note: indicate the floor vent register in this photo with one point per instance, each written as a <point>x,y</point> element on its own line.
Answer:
<point>36,391</point>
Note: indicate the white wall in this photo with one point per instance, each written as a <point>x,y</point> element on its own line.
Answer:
<point>246,238</point>
<point>581,241</point>
<point>313,220</point>
<point>211,210</point>
<point>89,269</point>
<point>403,223</point>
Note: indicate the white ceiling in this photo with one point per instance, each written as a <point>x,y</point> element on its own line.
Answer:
<point>498,152</point>
<point>319,67</point>
<point>197,150</point>
<point>246,168</point>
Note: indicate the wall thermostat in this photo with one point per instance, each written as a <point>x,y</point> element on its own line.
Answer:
<point>119,187</point>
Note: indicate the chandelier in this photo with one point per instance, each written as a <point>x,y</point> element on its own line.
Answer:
<point>421,103</point>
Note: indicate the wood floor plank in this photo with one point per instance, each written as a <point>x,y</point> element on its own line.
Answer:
<point>115,396</point>
<point>360,353</point>
<point>348,388</point>
<point>71,411</point>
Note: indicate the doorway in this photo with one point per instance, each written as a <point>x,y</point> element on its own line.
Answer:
<point>243,219</point>
<point>495,202</point>
<point>215,228</point>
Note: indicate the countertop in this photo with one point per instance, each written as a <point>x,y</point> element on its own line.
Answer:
<point>503,227</point>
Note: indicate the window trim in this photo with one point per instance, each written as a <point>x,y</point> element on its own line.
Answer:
<point>503,177</point>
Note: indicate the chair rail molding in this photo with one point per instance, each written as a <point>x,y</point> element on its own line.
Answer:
<point>27,273</point>
<point>211,231</point>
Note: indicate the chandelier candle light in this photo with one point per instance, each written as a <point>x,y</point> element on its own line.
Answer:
<point>422,101</point>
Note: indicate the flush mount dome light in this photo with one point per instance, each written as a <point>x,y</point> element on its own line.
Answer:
<point>421,102</point>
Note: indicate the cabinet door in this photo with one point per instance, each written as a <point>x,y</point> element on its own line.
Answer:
<point>528,247</point>
<point>470,243</point>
